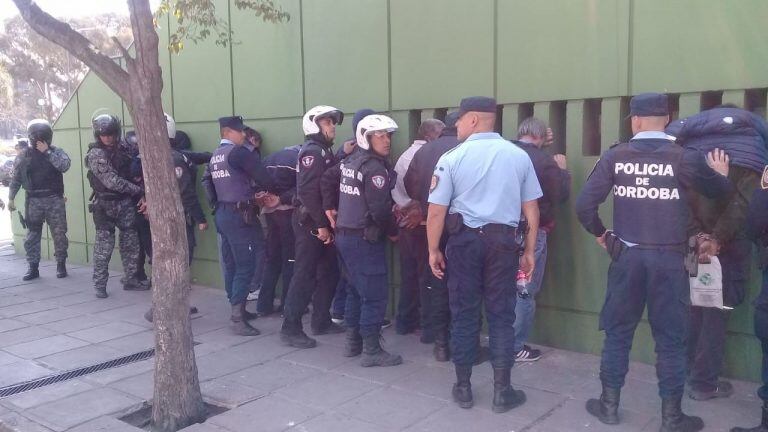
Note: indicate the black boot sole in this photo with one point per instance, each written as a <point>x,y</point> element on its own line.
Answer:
<point>463,403</point>
<point>498,409</point>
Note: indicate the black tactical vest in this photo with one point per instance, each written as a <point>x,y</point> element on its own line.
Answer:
<point>648,201</point>
<point>353,207</point>
<point>44,178</point>
<point>119,160</point>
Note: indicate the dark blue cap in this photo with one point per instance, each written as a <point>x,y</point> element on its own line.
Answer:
<point>232,122</point>
<point>477,104</point>
<point>649,105</point>
<point>359,115</point>
<point>450,119</point>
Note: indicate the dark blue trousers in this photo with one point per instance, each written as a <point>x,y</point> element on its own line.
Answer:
<point>413,308</point>
<point>240,243</point>
<point>656,278</point>
<point>366,265</point>
<point>280,247</point>
<point>482,269</point>
<point>761,331</point>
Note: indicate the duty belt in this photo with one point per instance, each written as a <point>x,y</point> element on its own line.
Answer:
<point>111,196</point>
<point>43,193</point>
<point>493,228</point>
<point>349,231</point>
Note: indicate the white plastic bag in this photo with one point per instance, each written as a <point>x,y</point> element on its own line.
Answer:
<point>707,287</point>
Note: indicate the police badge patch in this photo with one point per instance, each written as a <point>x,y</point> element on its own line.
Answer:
<point>433,183</point>
<point>764,180</point>
<point>179,172</point>
<point>378,181</point>
<point>307,161</point>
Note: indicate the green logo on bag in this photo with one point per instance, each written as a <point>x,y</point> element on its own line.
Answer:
<point>705,279</point>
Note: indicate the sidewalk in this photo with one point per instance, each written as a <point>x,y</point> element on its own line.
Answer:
<point>51,325</point>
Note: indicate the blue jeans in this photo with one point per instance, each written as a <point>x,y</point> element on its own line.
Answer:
<point>240,245</point>
<point>343,287</point>
<point>656,278</point>
<point>366,264</point>
<point>761,331</point>
<point>526,308</point>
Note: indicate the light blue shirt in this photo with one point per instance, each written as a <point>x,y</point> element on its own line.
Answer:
<point>485,179</point>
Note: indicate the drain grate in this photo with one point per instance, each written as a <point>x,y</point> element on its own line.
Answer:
<point>74,373</point>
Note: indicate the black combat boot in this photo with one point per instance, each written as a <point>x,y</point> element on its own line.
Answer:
<point>462,390</point>
<point>61,269</point>
<point>293,335</point>
<point>354,345</point>
<point>374,354</point>
<point>136,285</point>
<point>32,272</point>
<point>606,409</point>
<point>101,292</point>
<point>249,316</point>
<point>328,328</point>
<point>442,351</point>
<point>504,396</point>
<point>239,324</point>
<point>673,419</point>
<point>763,427</point>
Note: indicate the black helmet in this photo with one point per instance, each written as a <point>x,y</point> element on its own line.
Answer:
<point>106,124</point>
<point>39,130</point>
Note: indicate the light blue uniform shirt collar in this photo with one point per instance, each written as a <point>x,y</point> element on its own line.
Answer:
<point>483,136</point>
<point>653,135</point>
<point>226,141</point>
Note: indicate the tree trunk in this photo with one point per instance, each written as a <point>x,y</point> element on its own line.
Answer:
<point>177,399</point>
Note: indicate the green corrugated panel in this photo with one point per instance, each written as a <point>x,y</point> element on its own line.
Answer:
<point>427,71</point>
<point>346,54</point>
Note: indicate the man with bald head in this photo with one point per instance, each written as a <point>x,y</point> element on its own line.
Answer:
<point>478,191</point>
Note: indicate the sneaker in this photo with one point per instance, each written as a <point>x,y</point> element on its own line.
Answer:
<point>252,296</point>
<point>386,323</point>
<point>337,318</point>
<point>527,354</point>
<point>724,389</point>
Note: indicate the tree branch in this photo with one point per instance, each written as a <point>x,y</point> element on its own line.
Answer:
<point>123,51</point>
<point>65,36</point>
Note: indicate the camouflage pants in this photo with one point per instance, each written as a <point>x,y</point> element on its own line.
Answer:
<point>106,216</point>
<point>48,210</point>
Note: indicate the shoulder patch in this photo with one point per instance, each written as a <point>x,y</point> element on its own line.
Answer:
<point>379,181</point>
<point>179,172</point>
<point>764,180</point>
<point>307,161</point>
<point>433,183</point>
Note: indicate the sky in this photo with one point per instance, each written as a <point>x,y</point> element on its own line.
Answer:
<point>70,8</point>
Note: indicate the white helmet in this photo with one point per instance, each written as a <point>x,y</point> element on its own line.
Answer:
<point>170,124</point>
<point>370,124</point>
<point>309,122</point>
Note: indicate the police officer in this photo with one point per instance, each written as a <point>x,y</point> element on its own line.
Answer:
<point>39,170</point>
<point>113,204</point>
<point>235,181</point>
<point>315,271</point>
<point>481,186</point>
<point>757,227</point>
<point>650,177</point>
<point>417,181</point>
<point>364,221</point>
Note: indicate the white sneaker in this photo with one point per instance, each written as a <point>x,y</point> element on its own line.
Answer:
<point>527,354</point>
<point>253,296</point>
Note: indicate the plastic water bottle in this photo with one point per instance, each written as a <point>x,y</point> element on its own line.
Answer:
<point>522,285</point>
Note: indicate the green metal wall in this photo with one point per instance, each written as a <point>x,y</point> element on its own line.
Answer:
<point>570,62</point>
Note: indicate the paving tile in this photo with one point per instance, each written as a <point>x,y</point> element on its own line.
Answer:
<point>134,343</point>
<point>391,408</point>
<point>272,375</point>
<point>14,422</point>
<point>268,414</point>
<point>141,386</point>
<point>107,331</point>
<point>79,357</point>
<point>49,316</point>
<point>8,299</point>
<point>572,416</point>
<point>324,357</point>
<point>82,407</point>
<point>48,393</point>
<point>106,424</point>
<point>25,334</point>
<point>381,375</point>
<point>26,308</point>
<point>74,324</point>
<point>20,371</point>
<point>455,419</point>
<point>6,358</point>
<point>229,394</point>
<point>429,381</point>
<point>326,391</point>
<point>330,422</point>
<point>119,373</point>
<point>45,346</point>
<point>203,427</point>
